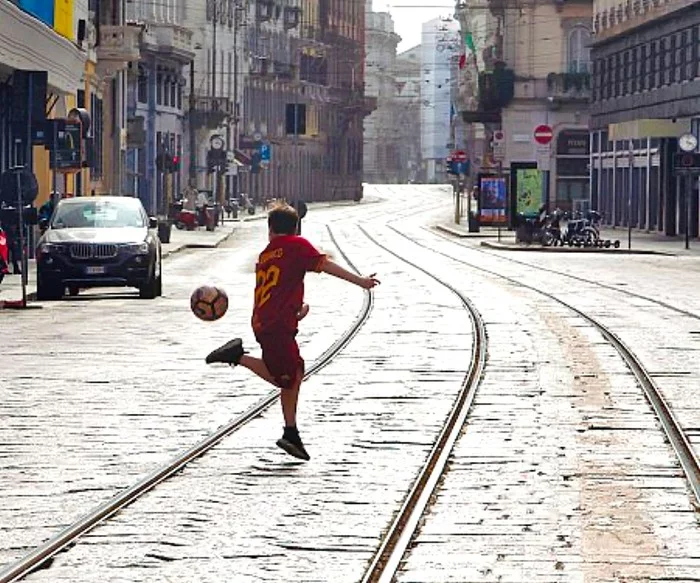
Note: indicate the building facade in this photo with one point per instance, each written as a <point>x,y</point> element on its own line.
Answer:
<point>56,40</point>
<point>282,81</point>
<point>646,93</point>
<point>156,100</point>
<point>408,105</point>
<point>304,99</point>
<point>382,135</point>
<point>529,66</point>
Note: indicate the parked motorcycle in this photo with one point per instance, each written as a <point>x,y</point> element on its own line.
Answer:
<point>186,220</point>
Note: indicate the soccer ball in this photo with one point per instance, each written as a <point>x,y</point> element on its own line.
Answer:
<point>209,302</point>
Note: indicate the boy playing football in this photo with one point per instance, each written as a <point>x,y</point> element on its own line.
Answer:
<point>279,305</point>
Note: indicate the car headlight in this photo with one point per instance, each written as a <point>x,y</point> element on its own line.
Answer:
<point>48,248</point>
<point>138,248</point>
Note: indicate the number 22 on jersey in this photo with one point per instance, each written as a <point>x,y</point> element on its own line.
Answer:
<point>266,280</point>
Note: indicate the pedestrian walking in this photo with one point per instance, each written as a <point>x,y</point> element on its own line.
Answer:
<point>278,308</point>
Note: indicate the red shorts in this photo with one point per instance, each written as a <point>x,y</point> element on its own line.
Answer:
<point>280,353</point>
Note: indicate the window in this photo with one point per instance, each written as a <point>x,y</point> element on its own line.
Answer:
<point>142,86</point>
<point>173,92</point>
<point>159,89</point>
<point>579,56</point>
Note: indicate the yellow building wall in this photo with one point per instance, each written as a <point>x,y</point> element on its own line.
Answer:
<point>43,173</point>
<point>539,46</point>
<point>63,18</point>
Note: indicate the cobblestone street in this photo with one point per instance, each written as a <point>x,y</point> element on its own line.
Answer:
<point>561,472</point>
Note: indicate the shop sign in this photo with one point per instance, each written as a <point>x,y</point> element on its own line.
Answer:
<point>574,143</point>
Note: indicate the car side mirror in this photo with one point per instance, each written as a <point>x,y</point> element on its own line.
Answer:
<point>43,224</point>
<point>152,223</point>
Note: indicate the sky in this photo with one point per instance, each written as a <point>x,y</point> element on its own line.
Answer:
<point>408,21</point>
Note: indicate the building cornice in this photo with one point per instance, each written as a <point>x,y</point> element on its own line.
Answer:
<point>27,43</point>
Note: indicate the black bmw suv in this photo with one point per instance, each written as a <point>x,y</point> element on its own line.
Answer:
<point>99,241</point>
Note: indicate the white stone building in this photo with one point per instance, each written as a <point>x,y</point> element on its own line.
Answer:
<point>408,105</point>
<point>439,47</point>
<point>382,143</point>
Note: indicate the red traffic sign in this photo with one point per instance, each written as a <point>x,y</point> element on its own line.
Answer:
<point>543,134</point>
<point>459,156</point>
<point>499,136</point>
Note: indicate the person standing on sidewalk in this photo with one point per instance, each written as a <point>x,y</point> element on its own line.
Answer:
<point>278,308</point>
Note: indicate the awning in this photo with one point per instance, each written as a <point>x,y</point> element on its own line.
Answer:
<point>639,129</point>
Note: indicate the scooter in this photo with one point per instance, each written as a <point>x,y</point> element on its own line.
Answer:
<point>186,220</point>
<point>4,255</point>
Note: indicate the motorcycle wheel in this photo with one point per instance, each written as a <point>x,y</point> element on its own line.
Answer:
<point>616,244</point>
<point>180,225</point>
<point>607,243</point>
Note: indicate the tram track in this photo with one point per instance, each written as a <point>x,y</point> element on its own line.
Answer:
<point>42,555</point>
<point>577,278</point>
<point>392,551</point>
<point>387,559</point>
<point>675,434</point>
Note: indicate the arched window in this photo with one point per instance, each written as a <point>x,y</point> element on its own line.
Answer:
<point>579,54</point>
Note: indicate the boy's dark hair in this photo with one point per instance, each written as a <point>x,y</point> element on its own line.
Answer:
<point>283,219</point>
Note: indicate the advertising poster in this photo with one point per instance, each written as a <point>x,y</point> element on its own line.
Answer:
<point>493,200</point>
<point>63,18</point>
<point>529,191</point>
<point>41,9</point>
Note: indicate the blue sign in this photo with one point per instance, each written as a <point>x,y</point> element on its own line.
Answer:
<point>265,152</point>
<point>461,167</point>
<point>41,9</point>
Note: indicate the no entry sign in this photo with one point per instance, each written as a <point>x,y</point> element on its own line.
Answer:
<point>459,156</point>
<point>543,134</point>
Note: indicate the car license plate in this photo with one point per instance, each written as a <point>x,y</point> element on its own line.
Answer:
<point>95,269</point>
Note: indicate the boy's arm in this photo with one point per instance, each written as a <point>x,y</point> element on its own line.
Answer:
<point>342,273</point>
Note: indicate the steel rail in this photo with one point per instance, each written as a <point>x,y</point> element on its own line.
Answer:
<point>685,453</point>
<point>388,557</point>
<point>68,536</point>
<point>626,292</point>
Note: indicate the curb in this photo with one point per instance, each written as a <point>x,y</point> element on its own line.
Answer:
<point>538,249</point>
<point>463,234</point>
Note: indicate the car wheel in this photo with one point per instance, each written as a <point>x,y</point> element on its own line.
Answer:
<point>73,290</point>
<point>159,283</point>
<point>48,290</point>
<point>149,289</point>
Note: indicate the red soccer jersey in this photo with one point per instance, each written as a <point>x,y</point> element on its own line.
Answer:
<point>279,288</point>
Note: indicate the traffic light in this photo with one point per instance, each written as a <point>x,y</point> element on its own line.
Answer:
<point>176,163</point>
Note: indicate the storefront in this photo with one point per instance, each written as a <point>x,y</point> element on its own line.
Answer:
<point>615,182</point>
<point>572,170</point>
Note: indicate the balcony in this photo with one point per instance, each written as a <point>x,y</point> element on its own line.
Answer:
<point>169,40</point>
<point>119,45</point>
<point>569,86</point>
<point>211,112</point>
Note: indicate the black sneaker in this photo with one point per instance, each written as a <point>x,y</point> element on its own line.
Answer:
<point>229,353</point>
<point>291,443</point>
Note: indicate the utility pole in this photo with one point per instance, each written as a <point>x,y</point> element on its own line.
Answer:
<point>235,97</point>
<point>193,136</point>
<point>217,171</point>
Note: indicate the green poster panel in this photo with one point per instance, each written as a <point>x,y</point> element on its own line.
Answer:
<point>529,191</point>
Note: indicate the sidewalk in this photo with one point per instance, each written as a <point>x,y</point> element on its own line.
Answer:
<point>643,243</point>
<point>11,286</point>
